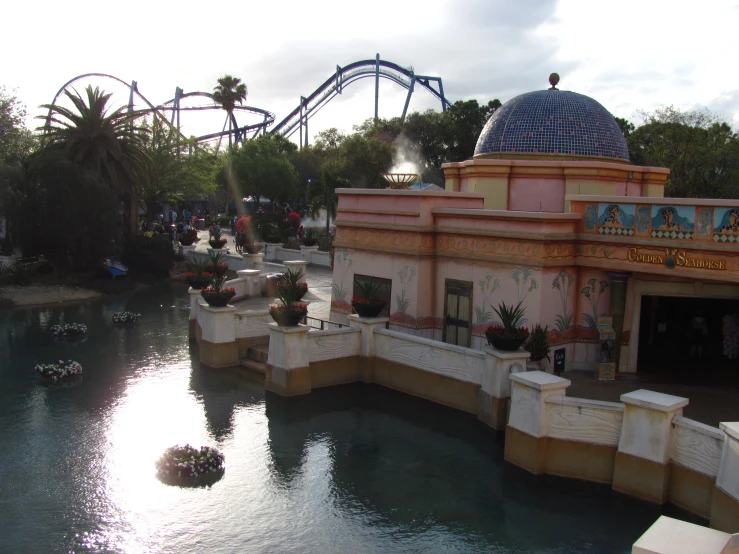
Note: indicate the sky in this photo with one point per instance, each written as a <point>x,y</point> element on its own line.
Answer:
<point>631,55</point>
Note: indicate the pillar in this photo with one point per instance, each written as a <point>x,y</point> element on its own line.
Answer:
<point>307,253</point>
<point>495,392</point>
<point>218,347</point>
<point>367,325</point>
<point>251,276</point>
<point>186,251</point>
<point>725,501</point>
<point>296,265</point>
<point>194,305</point>
<point>528,426</point>
<point>253,261</point>
<point>644,449</point>
<point>288,370</point>
<point>619,281</point>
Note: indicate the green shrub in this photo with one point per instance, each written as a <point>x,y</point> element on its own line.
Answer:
<point>223,220</point>
<point>149,254</point>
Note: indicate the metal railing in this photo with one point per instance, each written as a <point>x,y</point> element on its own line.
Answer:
<point>322,324</point>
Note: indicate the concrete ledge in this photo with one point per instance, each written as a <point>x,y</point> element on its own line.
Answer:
<point>690,490</point>
<point>218,355</point>
<point>641,478</point>
<point>288,382</point>
<point>672,536</point>
<point>492,411</point>
<point>339,371</point>
<point>580,460</point>
<point>724,511</point>
<point>525,451</point>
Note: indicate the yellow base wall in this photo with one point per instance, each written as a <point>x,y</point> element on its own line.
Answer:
<point>641,478</point>
<point>724,512</point>
<point>690,490</point>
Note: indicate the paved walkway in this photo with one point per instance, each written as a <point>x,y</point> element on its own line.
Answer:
<point>318,296</point>
<point>708,404</point>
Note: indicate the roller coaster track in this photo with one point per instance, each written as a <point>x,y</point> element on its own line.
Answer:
<point>297,120</point>
<point>334,85</point>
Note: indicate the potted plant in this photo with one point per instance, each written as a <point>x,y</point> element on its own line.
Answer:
<point>311,237</point>
<point>216,294</point>
<point>216,239</point>
<point>68,330</point>
<point>291,312</point>
<point>59,370</point>
<point>538,348</point>
<point>188,237</point>
<point>180,464</point>
<point>198,276</point>
<point>366,303</point>
<point>511,335</point>
<point>216,263</point>
<point>291,280</point>
<point>125,318</point>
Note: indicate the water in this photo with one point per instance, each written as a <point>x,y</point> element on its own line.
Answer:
<point>346,469</point>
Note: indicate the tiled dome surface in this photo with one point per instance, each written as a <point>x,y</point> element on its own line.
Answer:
<point>552,122</point>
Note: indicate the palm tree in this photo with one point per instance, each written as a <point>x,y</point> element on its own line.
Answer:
<point>229,91</point>
<point>321,195</point>
<point>108,146</point>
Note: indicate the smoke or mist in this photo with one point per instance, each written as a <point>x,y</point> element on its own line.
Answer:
<point>406,158</point>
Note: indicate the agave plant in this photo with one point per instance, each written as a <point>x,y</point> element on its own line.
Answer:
<point>367,290</point>
<point>511,317</point>
<point>197,267</point>
<point>537,344</point>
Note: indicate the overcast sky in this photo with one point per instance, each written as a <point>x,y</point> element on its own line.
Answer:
<point>629,55</point>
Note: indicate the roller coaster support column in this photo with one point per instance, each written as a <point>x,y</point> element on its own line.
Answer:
<point>301,123</point>
<point>377,84</point>
<point>130,96</point>
<point>408,99</point>
<point>304,101</point>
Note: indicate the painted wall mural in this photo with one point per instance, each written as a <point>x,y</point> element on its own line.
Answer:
<point>406,274</point>
<point>342,265</point>
<point>563,282</point>
<point>643,215</point>
<point>673,222</point>
<point>487,285</point>
<point>726,222</point>
<point>616,219</point>
<point>591,216</point>
<point>592,292</point>
<point>703,222</point>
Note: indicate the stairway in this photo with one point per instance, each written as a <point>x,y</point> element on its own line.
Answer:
<point>256,358</point>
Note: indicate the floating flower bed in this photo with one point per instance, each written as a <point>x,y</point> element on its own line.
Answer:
<point>59,370</point>
<point>69,330</point>
<point>187,462</point>
<point>125,317</point>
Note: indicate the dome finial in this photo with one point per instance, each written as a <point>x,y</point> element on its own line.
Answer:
<point>553,80</point>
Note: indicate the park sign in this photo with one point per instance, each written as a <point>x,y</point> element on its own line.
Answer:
<point>674,257</point>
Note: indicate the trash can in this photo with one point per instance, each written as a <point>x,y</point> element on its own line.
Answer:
<point>201,225</point>
<point>273,281</point>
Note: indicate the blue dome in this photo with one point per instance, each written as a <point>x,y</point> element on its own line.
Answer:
<point>552,123</point>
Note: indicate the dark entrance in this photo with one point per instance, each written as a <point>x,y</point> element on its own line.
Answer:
<point>458,313</point>
<point>683,340</point>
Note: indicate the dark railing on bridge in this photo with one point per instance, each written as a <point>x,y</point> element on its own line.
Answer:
<point>322,324</point>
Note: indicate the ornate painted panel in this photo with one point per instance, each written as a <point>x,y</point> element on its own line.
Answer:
<point>616,219</point>
<point>673,222</point>
<point>726,221</point>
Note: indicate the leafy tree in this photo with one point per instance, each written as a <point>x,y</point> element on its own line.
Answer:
<point>626,126</point>
<point>16,141</point>
<point>174,174</point>
<point>228,92</point>
<point>700,149</point>
<point>361,160</point>
<point>108,146</point>
<point>259,168</point>
<point>465,120</point>
<point>321,195</point>
<point>307,162</point>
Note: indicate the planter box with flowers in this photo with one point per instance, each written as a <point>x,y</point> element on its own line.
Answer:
<point>59,370</point>
<point>511,335</point>
<point>366,303</point>
<point>187,238</point>
<point>185,464</point>
<point>538,348</point>
<point>198,276</point>
<point>216,239</point>
<point>291,312</point>
<point>69,330</point>
<point>216,263</point>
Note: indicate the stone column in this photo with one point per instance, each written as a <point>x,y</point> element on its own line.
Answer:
<point>186,250</point>
<point>270,250</point>
<point>251,276</point>
<point>367,326</point>
<point>218,347</point>
<point>725,501</point>
<point>619,281</point>
<point>644,449</point>
<point>254,261</point>
<point>528,426</point>
<point>194,305</point>
<point>307,253</point>
<point>495,392</point>
<point>288,370</point>
<point>296,265</point>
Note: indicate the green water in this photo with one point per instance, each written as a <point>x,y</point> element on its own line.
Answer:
<point>346,469</point>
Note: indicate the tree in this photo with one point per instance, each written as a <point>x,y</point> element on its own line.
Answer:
<point>16,141</point>
<point>174,174</point>
<point>465,120</point>
<point>307,162</point>
<point>228,92</point>
<point>321,195</point>
<point>700,149</point>
<point>259,168</point>
<point>108,146</point>
<point>361,160</point>
<point>626,126</point>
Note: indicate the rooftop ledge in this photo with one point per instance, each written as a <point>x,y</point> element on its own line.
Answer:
<point>401,192</point>
<point>506,214</point>
<point>653,200</point>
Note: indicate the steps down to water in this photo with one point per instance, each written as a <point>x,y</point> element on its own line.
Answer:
<point>256,358</point>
